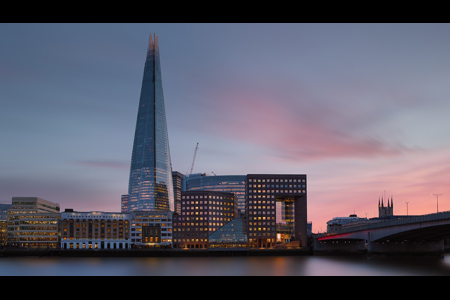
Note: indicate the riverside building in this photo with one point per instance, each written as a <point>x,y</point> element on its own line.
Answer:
<point>3,221</point>
<point>219,183</point>
<point>95,230</point>
<point>202,214</point>
<point>276,209</point>
<point>151,229</point>
<point>33,224</point>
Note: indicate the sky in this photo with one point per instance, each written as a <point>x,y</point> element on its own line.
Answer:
<point>361,109</point>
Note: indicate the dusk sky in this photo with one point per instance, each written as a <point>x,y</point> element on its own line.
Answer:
<point>362,109</point>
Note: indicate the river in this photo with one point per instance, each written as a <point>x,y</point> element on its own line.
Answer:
<point>224,266</point>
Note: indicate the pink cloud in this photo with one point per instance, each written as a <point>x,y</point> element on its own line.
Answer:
<point>293,129</point>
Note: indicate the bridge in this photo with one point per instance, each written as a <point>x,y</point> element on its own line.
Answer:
<point>423,234</point>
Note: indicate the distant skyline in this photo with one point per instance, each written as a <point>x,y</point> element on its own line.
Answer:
<point>361,109</point>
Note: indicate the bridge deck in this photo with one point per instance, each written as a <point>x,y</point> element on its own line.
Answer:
<point>442,230</point>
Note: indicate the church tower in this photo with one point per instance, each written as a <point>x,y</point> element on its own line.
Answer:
<point>385,211</point>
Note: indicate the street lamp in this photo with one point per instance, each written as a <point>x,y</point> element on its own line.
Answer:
<point>437,200</point>
<point>406,206</point>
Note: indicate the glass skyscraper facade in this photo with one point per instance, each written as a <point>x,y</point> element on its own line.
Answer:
<point>150,185</point>
<point>220,183</point>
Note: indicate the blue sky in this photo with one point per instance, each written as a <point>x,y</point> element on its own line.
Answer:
<point>362,109</point>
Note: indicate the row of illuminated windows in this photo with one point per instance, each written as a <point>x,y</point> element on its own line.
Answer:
<point>276,185</point>
<point>262,218</point>
<point>139,240</point>
<point>197,230</point>
<point>52,222</point>
<point>206,202</point>
<point>40,233</point>
<point>200,213</point>
<point>276,180</point>
<point>205,197</point>
<point>163,233</point>
<point>49,227</point>
<point>33,215</point>
<point>206,207</point>
<point>190,240</point>
<point>261,207</point>
<point>96,245</point>
<point>276,191</point>
<point>261,223</point>
<point>259,212</point>
<point>146,224</point>
<point>78,217</point>
<point>261,202</point>
<point>206,218</point>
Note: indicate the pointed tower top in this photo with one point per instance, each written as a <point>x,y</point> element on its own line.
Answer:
<point>152,43</point>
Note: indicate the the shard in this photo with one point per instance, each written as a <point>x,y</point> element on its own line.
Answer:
<point>150,185</point>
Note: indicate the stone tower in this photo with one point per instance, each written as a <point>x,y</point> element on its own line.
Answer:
<point>385,211</point>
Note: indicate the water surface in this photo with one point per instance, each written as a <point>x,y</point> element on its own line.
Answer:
<point>223,266</point>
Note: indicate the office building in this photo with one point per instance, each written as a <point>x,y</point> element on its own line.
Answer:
<point>178,181</point>
<point>219,183</point>
<point>4,211</point>
<point>124,203</point>
<point>3,237</point>
<point>3,221</point>
<point>33,223</point>
<point>150,182</point>
<point>94,230</point>
<point>276,209</point>
<point>339,223</point>
<point>151,229</point>
<point>202,213</point>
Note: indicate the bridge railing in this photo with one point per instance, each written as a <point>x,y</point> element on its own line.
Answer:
<point>403,221</point>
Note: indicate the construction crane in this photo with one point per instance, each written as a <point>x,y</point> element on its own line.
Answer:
<point>193,159</point>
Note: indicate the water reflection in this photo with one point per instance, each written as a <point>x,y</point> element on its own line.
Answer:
<point>224,266</point>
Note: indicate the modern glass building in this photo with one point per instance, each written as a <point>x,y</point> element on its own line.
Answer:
<point>232,235</point>
<point>220,183</point>
<point>150,185</point>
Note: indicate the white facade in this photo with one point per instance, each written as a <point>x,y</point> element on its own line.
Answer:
<point>95,230</point>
